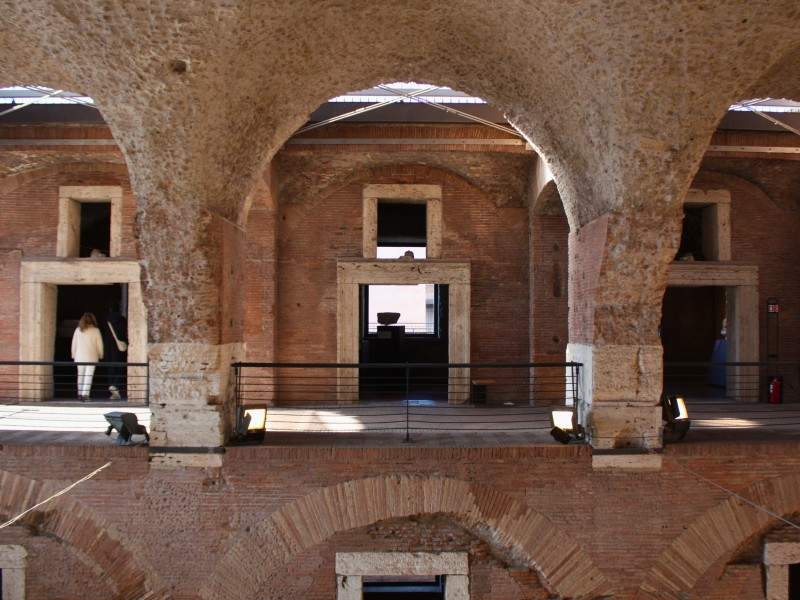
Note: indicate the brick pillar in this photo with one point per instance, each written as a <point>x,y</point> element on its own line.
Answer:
<point>617,275</point>
<point>192,258</point>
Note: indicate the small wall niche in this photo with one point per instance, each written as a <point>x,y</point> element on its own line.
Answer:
<point>706,231</point>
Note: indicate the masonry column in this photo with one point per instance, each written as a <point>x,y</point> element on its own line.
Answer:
<point>617,276</point>
<point>192,257</point>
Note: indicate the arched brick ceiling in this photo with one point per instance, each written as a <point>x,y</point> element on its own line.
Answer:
<point>621,98</point>
<point>216,87</point>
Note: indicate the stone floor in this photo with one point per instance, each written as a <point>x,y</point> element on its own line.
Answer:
<point>380,425</point>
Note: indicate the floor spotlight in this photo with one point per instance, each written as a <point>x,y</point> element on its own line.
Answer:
<point>127,425</point>
<point>251,423</point>
<point>676,418</point>
<point>565,426</point>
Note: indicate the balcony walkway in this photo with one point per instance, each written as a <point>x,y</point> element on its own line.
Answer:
<point>383,425</point>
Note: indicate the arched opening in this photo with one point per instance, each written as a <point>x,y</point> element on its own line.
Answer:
<point>726,315</point>
<point>394,169</point>
<point>68,248</point>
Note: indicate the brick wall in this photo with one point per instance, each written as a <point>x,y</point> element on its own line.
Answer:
<point>28,229</point>
<point>314,233</point>
<point>765,218</point>
<point>623,521</point>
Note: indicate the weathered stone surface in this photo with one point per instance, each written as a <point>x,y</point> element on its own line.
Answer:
<point>619,390</point>
<point>192,393</point>
<point>401,563</point>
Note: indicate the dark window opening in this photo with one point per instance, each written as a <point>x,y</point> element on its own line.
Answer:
<point>691,247</point>
<point>71,302</point>
<point>393,344</point>
<point>395,588</point>
<point>95,234</point>
<point>794,582</point>
<point>402,224</point>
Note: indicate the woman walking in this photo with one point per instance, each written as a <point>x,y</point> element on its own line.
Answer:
<point>87,347</point>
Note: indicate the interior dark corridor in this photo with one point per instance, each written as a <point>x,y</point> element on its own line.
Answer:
<point>72,302</point>
<point>403,342</point>
<point>691,325</point>
<point>691,322</point>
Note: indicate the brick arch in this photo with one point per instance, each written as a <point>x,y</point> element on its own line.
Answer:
<point>76,525</point>
<point>78,167</point>
<point>717,534</point>
<point>529,536</point>
<point>711,178</point>
<point>399,170</point>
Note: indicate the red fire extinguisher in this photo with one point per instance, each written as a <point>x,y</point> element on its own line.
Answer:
<point>775,395</point>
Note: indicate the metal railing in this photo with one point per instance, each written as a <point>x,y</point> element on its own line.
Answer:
<point>413,397</point>
<point>428,327</point>
<point>44,381</point>
<point>733,381</point>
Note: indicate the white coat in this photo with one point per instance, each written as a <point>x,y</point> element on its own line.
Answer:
<point>87,345</point>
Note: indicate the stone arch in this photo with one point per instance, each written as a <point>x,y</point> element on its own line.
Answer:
<point>75,524</point>
<point>563,566</point>
<point>548,202</point>
<point>717,533</point>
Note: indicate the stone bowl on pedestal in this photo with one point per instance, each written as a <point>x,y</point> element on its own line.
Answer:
<point>388,318</point>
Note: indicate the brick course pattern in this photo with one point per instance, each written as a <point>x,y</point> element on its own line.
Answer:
<point>253,526</point>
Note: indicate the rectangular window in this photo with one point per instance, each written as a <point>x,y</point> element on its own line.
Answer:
<point>402,224</point>
<point>415,303</point>
<point>394,588</point>
<point>95,229</point>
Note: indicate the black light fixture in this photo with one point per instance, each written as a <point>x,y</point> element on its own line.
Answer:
<point>676,418</point>
<point>127,425</point>
<point>565,426</point>
<point>251,423</point>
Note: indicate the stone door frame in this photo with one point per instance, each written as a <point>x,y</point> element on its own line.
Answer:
<point>12,563</point>
<point>37,310</point>
<point>353,273</point>
<point>352,567</point>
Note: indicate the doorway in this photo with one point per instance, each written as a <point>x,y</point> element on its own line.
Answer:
<point>71,302</point>
<point>403,324</point>
<point>693,335</point>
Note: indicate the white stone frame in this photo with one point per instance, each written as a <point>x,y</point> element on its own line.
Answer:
<point>12,563</point>
<point>70,198</point>
<point>353,273</point>
<point>716,206</point>
<point>352,567</point>
<point>777,558</point>
<point>430,195</point>
<point>37,310</point>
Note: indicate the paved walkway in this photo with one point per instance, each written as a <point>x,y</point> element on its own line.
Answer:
<point>430,424</point>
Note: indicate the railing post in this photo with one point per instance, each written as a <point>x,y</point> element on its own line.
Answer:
<point>147,384</point>
<point>408,399</point>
